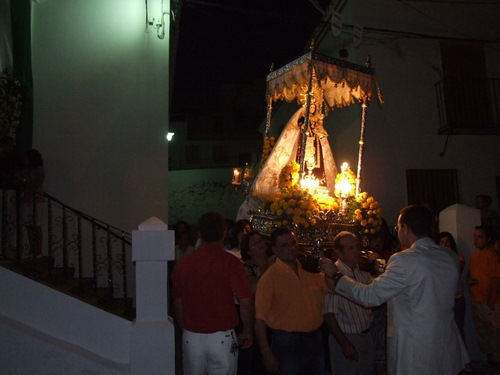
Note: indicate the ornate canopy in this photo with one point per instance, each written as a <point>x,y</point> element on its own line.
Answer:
<point>342,82</point>
<point>318,79</point>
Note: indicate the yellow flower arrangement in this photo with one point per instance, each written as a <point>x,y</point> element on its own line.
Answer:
<point>289,175</point>
<point>366,212</point>
<point>269,143</point>
<point>296,206</point>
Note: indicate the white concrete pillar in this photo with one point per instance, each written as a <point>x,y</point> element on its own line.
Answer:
<point>152,344</point>
<point>460,221</point>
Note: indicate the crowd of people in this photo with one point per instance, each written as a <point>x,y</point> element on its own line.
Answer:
<point>246,305</point>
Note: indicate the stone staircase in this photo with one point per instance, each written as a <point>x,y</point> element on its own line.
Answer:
<point>81,256</point>
<point>42,270</point>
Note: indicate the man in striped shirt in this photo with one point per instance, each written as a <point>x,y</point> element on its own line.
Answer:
<point>350,341</point>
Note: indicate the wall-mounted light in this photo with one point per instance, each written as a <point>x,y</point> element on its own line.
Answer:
<point>169,136</point>
<point>158,23</point>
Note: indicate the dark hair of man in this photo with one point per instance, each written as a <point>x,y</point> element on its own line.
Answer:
<point>245,244</point>
<point>6,139</point>
<point>337,245</point>
<point>34,157</point>
<point>453,244</point>
<point>485,198</point>
<point>211,227</point>
<point>238,227</point>
<point>487,231</point>
<point>418,218</point>
<point>181,226</point>
<point>279,232</point>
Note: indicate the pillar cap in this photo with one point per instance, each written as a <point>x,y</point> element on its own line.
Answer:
<point>153,223</point>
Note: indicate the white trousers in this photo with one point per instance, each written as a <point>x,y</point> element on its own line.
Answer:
<point>210,353</point>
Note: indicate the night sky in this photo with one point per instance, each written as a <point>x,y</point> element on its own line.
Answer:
<point>234,42</point>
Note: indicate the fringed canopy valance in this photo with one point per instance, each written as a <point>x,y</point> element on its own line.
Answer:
<point>342,82</point>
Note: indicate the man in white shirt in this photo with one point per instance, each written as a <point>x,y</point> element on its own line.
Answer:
<point>350,340</point>
<point>419,284</point>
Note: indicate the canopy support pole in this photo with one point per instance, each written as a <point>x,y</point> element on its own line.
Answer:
<point>305,127</point>
<point>364,109</point>
<point>269,98</point>
<point>268,115</point>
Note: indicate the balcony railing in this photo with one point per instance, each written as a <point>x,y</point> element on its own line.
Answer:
<point>469,105</point>
<point>58,242</point>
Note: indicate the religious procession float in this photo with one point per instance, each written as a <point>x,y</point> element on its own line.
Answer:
<point>299,184</point>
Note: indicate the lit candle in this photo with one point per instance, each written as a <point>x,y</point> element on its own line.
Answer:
<point>344,188</point>
<point>236,176</point>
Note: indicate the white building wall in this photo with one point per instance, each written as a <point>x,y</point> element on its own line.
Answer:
<point>101,106</point>
<point>53,333</point>
<point>25,351</point>
<point>403,132</point>
<point>45,331</point>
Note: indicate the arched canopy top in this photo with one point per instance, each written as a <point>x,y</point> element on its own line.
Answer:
<point>342,82</point>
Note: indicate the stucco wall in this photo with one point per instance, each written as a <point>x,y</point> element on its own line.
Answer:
<point>195,192</point>
<point>101,107</point>
<point>402,133</point>
<point>56,334</point>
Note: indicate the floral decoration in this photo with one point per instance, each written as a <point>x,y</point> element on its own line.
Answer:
<point>269,143</point>
<point>10,103</point>
<point>296,206</point>
<point>365,211</point>
<point>289,175</point>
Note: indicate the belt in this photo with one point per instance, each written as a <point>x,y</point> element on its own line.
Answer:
<point>367,330</point>
<point>302,334</point>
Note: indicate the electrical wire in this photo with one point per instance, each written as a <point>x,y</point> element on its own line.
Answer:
<point>440,22</point>
<point>396,34</point>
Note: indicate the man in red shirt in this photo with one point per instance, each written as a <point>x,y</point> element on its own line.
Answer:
<point>205,283</point>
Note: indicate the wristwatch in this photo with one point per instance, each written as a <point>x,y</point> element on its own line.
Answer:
<point>336,277</point>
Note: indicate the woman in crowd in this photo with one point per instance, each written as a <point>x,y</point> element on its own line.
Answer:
<point>255,256</point>
<point>183,244</point>
<point>256,260</point>
<point>229,234</point>
<point>239,230</point>
<point>445,239</point>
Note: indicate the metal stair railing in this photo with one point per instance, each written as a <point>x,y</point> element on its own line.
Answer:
<point>61,243</point>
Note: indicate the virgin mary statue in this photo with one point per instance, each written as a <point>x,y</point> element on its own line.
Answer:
<point>301,139</point>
